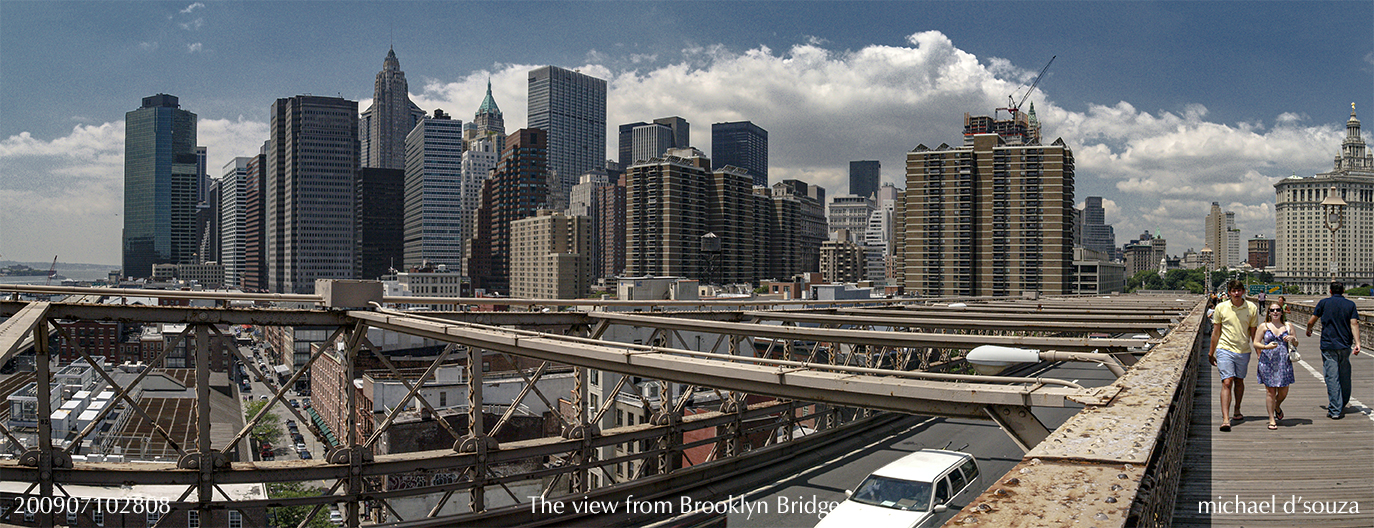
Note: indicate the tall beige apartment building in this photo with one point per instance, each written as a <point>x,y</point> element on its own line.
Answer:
<point>992,217</point>
<point>1223,238</point>
<point>551,256</point>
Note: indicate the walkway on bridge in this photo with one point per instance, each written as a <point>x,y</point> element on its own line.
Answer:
<point>1316,463</point>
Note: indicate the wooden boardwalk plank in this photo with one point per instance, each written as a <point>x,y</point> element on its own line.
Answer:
<point>1317,463</point>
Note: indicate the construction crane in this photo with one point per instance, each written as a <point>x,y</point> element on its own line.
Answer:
<point>1014,106</point>
<point>52,270</point>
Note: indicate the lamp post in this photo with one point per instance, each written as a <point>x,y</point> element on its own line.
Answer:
<point>1333,209</point>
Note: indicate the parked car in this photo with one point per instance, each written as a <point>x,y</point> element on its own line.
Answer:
<point>294,403</point>
<point>305,455</point>
<point>919,489</point>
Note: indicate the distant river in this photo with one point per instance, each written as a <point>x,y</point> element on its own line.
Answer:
<point>75,274</point>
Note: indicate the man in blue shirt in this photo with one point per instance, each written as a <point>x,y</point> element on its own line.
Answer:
<point>1340,339</point>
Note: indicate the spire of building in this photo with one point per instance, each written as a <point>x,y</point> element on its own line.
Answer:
<point>383,127</point>
<point>1354,155</point>
<point>489,103</point>
<point>1352,127</point>
<point>391,63</point>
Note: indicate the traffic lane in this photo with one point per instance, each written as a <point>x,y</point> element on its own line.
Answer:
<point>799,501</point>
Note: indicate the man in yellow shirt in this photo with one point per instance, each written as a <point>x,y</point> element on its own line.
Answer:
<point>1233,330</point>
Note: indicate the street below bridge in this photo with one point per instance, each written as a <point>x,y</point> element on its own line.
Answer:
<point>812,484</point>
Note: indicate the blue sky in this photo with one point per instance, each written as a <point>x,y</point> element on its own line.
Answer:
<point>1168,106</point>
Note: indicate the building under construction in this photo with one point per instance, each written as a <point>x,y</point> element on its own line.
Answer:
<point>1022,128</point>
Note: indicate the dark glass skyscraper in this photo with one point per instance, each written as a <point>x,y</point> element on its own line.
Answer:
<point>571,108</point>
<point>160,186</point>
<point>741,144</point>
<point>312,159</point>
<point>1097,235</point>
<point>863,177</point>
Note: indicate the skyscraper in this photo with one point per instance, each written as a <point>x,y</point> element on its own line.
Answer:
<point>516,190</point>
<point>379,225</point>
<point>863,177</point>
<point>626,143</point>
<point>849,213</point>
<point>312,157</point>
<point>433,192</point>
<point>160,186</point>
<point>1303,244</point>
<point>383,127</point>
<point>666,215</point>
<point>651,141</point>
<point>584,201</point>
<point>1097,235</point>
<point>610,205</point>
<point>571,109</point>
<point>233,217</point>
<point>255,198</point>
<point>993,217</point>
<point>798,228</point>
<point>742,144</point>
<point>1223,238</point>
<point>478,161</point>
<point>681,130</point>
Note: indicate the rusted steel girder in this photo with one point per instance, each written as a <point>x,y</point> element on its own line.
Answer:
<point>868,337</point>
<point>1008,322</point>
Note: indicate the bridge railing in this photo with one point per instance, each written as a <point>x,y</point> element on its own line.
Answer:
<point>1116,464</point>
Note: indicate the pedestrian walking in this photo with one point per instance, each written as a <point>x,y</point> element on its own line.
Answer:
<point>1274,370</point>
<point>1233,330</point>
<point>1340,338</point>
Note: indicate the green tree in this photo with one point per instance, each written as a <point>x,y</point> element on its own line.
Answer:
<point>268,429</point>
<point>1362,291</point>
<point>1145,280</point>
<point>1219,277</point>
<point>1292,290</point>
<point>290,516</point>
<point>1264,277</point>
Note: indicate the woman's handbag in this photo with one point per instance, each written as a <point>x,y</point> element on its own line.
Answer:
<point>1293,355</point>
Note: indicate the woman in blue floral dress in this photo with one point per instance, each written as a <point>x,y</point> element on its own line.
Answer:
<point>1272,339</point>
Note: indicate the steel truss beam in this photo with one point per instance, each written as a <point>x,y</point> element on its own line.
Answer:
<point>867,337</point>
<point>884,390</point>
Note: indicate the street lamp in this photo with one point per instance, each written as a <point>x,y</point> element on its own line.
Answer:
<point>1333,208</point>
<point>993,359</point>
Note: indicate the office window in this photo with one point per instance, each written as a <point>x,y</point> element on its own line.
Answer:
<point>193,519</point>
<point>153,518</point>
<point>99,517</point>
<point>235,519</point>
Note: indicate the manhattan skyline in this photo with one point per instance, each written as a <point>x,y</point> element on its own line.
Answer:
<point>1167,106</point>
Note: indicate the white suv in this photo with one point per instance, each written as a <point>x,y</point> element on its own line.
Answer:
<point>909,492</point>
